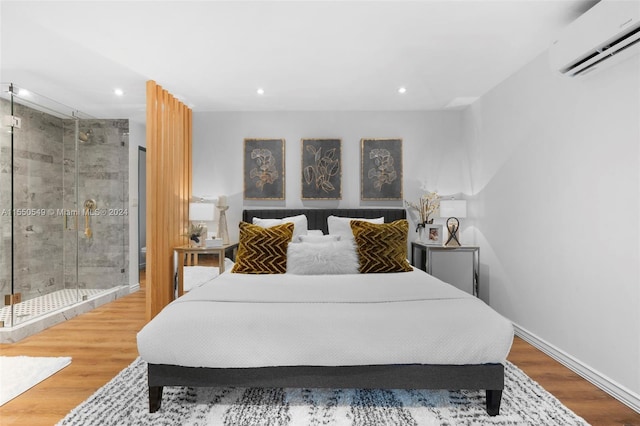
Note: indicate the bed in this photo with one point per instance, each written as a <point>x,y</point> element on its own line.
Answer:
<point>237,330</point>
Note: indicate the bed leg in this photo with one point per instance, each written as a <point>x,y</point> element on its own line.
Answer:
<point>494,397</point>
<point>155,398</point>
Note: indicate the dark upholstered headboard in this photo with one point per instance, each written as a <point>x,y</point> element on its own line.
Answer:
<point>317,218</point>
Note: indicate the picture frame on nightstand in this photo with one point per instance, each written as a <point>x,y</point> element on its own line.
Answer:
<point>433,235</point>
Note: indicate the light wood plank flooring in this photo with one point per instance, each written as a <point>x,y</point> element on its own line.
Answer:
<point>103,342</point>
<point>100,342</point>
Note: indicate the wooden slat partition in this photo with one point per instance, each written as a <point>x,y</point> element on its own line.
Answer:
<point>169,136</point>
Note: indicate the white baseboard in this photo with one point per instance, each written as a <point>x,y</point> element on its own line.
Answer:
<point>616,390</point>
<point>134,287</point>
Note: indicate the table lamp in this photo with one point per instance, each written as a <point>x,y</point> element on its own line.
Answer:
<point>453,209</point>
<point>201,212</point>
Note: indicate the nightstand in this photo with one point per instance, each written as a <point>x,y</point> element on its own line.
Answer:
<point>191,253</point>
<point>458,266</point>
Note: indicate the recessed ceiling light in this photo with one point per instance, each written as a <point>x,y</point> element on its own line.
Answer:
<point>118,92</point>
<point>260,91</point>
<point>402,90</point>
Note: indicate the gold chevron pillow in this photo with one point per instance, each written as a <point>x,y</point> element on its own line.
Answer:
<point>263,250</point>
<point>382,247</point>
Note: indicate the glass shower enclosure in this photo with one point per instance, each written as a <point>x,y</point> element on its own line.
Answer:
<point>63,207</point>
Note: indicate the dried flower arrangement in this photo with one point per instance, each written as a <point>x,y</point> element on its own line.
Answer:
<point>195,232</point>
<point>426,206</point>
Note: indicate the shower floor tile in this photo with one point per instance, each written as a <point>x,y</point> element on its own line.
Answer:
<point>32,308</point>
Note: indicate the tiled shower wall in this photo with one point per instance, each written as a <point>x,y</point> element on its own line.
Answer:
<point>45,255</point>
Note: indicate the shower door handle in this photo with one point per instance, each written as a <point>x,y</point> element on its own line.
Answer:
<point>89,206</point>
<point>87,229</point>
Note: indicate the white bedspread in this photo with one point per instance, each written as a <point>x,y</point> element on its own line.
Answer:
<point>240,320</point>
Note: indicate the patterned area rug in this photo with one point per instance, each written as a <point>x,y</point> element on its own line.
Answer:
<point>123,401</point>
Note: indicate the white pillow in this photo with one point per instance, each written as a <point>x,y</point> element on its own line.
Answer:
<point>299,224</point>
<point>315,232</point>
<point>337,257</point>
<point>319,238</point>
<point>341,226</point>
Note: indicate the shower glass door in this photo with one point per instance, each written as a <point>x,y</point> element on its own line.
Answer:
<point>33,162</point>
<point>64,224</point>
<point>6,205</point>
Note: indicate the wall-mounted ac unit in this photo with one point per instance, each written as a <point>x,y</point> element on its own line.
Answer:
<point>604,35</point>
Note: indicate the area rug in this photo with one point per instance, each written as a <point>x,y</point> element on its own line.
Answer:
<point>124,401</point>
<point>20,373</point>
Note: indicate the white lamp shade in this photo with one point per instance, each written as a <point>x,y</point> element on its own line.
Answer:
<point>201,211</point>
<point>453,208</point>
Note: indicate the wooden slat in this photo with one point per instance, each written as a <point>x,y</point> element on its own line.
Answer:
<point>152,186</point>
<point>168,192</point>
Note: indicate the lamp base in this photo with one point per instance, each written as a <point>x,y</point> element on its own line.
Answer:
<point>453,225</point>
<point>203,235</point>
<point>223,232</point>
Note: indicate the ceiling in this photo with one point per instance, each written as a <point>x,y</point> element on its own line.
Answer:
<point>306,55</point>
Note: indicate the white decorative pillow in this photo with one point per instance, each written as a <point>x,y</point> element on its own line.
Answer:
<point>299,224</point>
<point>319,238</point>
<point>315,232</point>
<point>342,226</point>
<point>338,257</point>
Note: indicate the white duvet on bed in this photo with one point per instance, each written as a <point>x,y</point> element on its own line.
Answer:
<point>241,320</point>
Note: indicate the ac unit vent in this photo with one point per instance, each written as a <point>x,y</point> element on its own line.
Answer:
<point>606,34</point>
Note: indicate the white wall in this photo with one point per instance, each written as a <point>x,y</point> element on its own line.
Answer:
<point>555,167</point>
<point>432,145</point>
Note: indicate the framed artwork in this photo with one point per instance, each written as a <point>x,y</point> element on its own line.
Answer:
<point>433,235</point>
<point>381,169</point>
<point>321,169</point>
<point>263,169</point>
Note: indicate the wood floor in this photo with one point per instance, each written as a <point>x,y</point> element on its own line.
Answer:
<point>583,398</point>
<point>103,342</point>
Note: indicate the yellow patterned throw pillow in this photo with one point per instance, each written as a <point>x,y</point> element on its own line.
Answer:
<point>263,250</point>
<point>382,247</point>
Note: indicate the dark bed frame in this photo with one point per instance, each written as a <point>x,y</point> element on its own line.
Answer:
<point>489,377</point>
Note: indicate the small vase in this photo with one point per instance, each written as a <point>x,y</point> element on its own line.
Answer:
<point>421,233</point>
